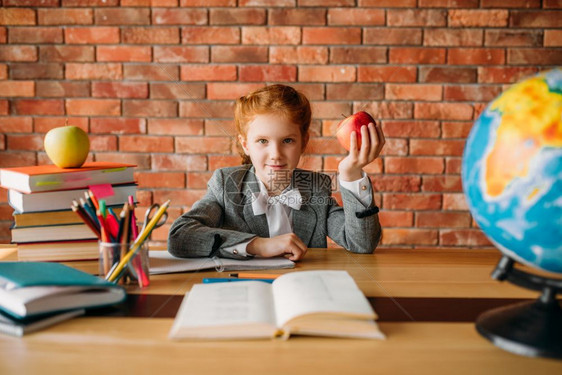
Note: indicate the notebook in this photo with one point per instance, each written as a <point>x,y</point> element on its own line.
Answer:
<point>19,327</point>
<point>32,288</point>
<point>163,262</point>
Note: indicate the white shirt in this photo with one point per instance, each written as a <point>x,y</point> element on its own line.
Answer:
<point>280,218</point>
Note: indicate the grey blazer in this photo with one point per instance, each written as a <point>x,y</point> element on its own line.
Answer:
<point>224,216</point>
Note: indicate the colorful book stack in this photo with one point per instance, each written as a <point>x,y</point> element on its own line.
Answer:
<point>45,227</point>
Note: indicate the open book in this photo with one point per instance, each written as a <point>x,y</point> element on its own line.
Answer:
<point>320,303</point>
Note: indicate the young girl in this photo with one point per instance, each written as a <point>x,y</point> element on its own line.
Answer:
<point>268,207</point>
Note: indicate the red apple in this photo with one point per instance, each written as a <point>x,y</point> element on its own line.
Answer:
<point>352,123</point>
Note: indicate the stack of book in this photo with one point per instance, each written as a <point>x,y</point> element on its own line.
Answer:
<point>45,227</point>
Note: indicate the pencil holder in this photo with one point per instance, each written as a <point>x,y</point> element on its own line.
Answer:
<point>137,271</point>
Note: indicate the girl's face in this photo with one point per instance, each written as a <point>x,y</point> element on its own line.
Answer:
<point>275,146</point>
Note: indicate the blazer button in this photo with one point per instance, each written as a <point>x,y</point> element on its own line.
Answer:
<point>235,252</point>
<point>363,187</point>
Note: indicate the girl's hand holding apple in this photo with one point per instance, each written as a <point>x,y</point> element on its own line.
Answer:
<point>371,139</point>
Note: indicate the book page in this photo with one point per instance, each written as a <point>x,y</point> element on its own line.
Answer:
<point>225,304</point>
<point>310,292</point>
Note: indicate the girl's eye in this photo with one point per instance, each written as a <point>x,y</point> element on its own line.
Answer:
<point>262,141</point>
<point>289,140</point>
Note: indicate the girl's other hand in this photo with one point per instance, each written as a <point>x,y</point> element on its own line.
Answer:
<point>288,245</point>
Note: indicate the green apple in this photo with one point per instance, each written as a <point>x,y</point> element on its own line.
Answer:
<point>67,146</point>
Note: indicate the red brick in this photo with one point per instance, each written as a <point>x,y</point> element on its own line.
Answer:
<point>448,4</point>
<point>241,16</point>
<point>395,147</point>
<point>123,53</point>
<point>94,71</point>
<point>65,16</point>
<point>197,180</point>
<point>122,16</point>
<point>3,71</point>
<point>453,165</point>
<point>328,35</point>
<point>411,129</point>
<point>3,107</point>
<point>473,93</point>
<point>395,183</point>
<point>552,4</point>
<point>62,89</point>
<point>181,54</point>
<point>456,129</point>
<point>396,219</point>
<point>210,35</point>
<point>207,109</point>
<point>443,220</point>
<point>151,72</point>
<point>298,55</point>
<point>412,201</point>
<point>175,127</point>
<point>268,73</point>
<point>17,88</point>
<point>453,37</point>
<point>16,124</point>
<point>476,56</point>
<point>386,74</point>
<point>150,108</point>
<point>179,197</point>
<point>44,124</point>
<point>436,147</point>
<point>151,35</point>
<point>91,35</point>
<point>242,54</point>
<point>103,143</point>
<point>221,161</point>
<point>403,55</point>
<point>465,237</point>
<point>324,3</point>
<point>454,201</point>
<point>504,74</point>
<point>447,74</point>
<point>38,107</point>
<point>160,180</point>
<point>333,109</point>
<point>513,38</point>
<point>534,56</point>
<point>313,91</point>
<point>416,17</point>
<point>331,164</point>
<point>66,53</point>
<point>19,53</point>
<point>535,19</point>
<point>311,163</point>
<point>413,92</point>
<point>354,91</point>
<point>210,3</point>
<point>89,3</point>
<point>142,161</point>
<point>15,16</point>
<point>144,143</point>
<point>297,16</point>
<point>118,125</point>
<point>327,73</point>
<point>11,159</point>
<point>171,162</point>
<point>398,236</point>
<point>271,35</point>
<point>442,184</point>
<point>179,16</point>
<point>322,145</point>
<point>417,165</point>
<point>358,55</point>
<point>220,127</point>
<point>230,90</point>
<point>24,142</point>
<point>94,107</point>
<point>35,35</point>
<point>177,90</point>
<point>444,111</point>
<point>478,18</point>
<point>203,145</point>
<point>553,38</point>
<point>3,35</point>
<point>119,90</point>
<point>31,3</point>
<point>392,36</point>
<point>208,73</point>
<point>386,109</point>
<point>510,4</point>
<point>356,17</point>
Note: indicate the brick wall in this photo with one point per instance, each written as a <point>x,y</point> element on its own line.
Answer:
<point>153,82</point>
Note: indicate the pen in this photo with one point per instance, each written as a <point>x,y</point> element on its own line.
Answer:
<point>210,280</point>
<point>138,242</point>
<point>243,275</point>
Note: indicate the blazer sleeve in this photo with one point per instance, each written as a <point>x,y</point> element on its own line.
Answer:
<point>198,232</point>
<point>353,226</point>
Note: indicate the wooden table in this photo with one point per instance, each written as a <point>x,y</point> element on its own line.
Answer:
<point>427,301</point>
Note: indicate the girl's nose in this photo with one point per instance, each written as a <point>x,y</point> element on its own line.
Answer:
<point>275,151</point>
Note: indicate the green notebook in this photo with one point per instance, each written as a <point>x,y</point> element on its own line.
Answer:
<point>32,288</point>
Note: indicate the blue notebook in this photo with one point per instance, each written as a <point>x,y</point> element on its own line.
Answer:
<point>32,288</point>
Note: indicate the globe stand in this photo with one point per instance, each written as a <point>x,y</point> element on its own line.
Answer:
<point>530,328</point>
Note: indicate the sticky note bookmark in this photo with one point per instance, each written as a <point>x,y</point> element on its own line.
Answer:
<point>102,190</point>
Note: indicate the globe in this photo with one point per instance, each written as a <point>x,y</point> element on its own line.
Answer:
<point>512,171</point>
